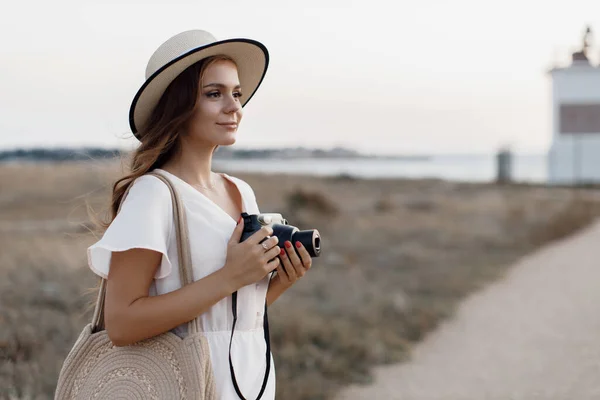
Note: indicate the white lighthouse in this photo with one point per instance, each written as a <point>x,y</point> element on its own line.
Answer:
<point>574,156</point>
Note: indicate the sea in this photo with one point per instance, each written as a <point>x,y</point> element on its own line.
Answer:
<point>525,168</point>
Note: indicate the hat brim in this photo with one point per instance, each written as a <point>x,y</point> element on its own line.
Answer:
<point>251,57</point>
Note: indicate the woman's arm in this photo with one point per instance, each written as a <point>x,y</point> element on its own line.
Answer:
<point>276,289</point>
<point>131,315</point>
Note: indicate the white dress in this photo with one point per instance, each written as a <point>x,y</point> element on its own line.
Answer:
<point>146,221</point>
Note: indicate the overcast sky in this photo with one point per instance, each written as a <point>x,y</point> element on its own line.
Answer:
<point>377,76</point>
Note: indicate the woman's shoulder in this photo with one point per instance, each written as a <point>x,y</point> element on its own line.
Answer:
<point>242,184</point>
<point>151,182</point>
<point>149,189</point>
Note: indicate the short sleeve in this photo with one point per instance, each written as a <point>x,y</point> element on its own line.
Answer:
<point>144,221</point>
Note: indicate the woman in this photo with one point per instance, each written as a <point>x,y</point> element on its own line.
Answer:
<point>190,104</point>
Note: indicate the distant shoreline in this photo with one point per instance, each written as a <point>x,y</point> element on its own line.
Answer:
<point>88,154</point>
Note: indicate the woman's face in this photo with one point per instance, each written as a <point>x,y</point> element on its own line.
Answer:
<point>218,109</point>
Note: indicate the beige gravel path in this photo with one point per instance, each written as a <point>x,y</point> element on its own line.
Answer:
<point>533,335</point>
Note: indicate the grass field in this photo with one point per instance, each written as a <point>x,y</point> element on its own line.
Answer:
<point>398,255</point>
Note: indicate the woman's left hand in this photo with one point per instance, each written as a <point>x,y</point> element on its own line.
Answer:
<point>293,267</point>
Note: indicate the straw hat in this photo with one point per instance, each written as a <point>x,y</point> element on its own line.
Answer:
<point>185,49</point>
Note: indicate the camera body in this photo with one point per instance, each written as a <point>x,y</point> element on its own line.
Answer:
<point>310,239</point>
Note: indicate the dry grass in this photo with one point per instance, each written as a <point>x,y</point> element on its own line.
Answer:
<point>42,308</point>
<point>398,256</point>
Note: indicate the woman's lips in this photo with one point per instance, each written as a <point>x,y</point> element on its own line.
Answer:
<point>229,125</point>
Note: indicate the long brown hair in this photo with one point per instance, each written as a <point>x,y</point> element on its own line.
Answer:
<point>161,135</point>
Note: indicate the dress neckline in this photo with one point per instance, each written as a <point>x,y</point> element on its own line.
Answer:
<point>208,199</point>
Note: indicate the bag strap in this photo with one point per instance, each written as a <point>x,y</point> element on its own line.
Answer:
<point>183,249</point>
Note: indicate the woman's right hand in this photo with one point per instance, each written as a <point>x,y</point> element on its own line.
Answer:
<point>248,262</point>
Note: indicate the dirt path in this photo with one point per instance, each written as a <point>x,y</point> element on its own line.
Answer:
<point>533,335</point>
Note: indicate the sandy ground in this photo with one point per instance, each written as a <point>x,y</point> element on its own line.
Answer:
<point>533,335</point>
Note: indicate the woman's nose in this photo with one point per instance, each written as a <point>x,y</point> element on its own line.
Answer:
<point>233,105</point>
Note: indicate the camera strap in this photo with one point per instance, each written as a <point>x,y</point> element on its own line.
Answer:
<point>267,341</point>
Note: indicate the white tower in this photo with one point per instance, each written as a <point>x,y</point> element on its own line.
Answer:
<point>574,156</point>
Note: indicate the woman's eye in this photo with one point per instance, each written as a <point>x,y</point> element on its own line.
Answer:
<point>218,94</point>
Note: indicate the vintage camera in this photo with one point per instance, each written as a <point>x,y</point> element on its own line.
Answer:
<point>310,239</point>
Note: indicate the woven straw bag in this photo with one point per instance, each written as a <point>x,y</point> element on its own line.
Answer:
<point>162,367</point>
